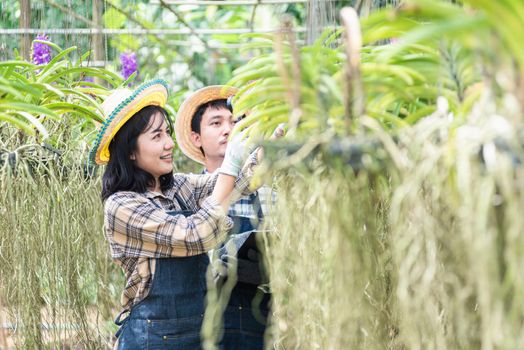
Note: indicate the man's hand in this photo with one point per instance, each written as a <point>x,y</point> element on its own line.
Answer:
<point>247,270</point>
<point>238,150</point>
<point>236,153</point>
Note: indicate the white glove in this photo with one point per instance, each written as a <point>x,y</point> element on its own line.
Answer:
<point>236,153</point>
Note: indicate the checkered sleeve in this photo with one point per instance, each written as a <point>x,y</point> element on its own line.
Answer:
<point>141,229</point>
<point>202,185</point>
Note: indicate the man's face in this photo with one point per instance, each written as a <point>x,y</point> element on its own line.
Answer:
<point>215,127</point>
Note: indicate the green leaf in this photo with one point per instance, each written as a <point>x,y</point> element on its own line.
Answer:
<point>63,107</point>
<point>55,63</point>
<point>49,43</point>
<point>82,60</point>
<point>19,124</point>
<point>257,114</point>
<point>106,75</point>
<point>26,107</point>
<point>430,31</point>
<point>50,88</point>
<point>36,123</point>
<point>22,64</point>
<point>44,74</point>
<point>420,113</point>
<point>388,117</point>
<point>407,75</point>
<point>129,79</point>
<point>6,87</point>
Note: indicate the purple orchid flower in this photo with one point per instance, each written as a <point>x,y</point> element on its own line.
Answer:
<point>129,64</point>
<point>41,53</point>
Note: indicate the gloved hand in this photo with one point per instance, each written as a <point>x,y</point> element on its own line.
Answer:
<point>248,270</point>
<point>220,268</point>
<point>237,152</point>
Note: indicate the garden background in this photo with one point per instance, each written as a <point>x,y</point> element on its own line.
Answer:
<point>398,222</point>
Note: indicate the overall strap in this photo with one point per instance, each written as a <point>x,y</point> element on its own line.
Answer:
<point>257,206</point>
<point>184,209</point>
<point>182,203</point>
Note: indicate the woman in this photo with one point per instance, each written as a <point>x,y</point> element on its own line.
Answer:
<point>160,225</point>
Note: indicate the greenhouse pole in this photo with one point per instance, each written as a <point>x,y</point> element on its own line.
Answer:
<point>98,43</point>
<point>25,22</point>
<point>320,14</point>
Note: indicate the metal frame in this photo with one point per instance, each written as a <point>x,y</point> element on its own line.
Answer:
<point>231,2</point>
<point>137,31</point>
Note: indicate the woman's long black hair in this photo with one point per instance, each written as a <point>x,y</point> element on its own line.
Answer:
<point>121,172</point>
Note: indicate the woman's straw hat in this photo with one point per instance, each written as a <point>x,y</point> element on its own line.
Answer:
<point>119,107</point>
<point>187,112</point>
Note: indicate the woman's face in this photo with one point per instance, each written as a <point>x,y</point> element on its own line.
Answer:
<point>154,152</point>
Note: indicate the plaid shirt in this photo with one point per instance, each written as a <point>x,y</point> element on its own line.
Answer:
<point>245,207</point>
<point>140,230</point>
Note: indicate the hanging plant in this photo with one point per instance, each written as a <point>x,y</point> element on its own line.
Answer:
<point>48,103</point>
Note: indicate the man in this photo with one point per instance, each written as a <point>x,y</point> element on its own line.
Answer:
<point>203,125</point>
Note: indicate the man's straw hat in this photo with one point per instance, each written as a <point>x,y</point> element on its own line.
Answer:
<point>187,112</point>
<point>119,107</point>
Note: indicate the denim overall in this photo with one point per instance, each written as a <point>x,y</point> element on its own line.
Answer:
<point>171,315</point>
<point>246,313</point>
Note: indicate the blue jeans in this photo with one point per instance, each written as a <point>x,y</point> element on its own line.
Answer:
<point>246,313</point>
<point>171,316</point>
<point>245,319</point>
